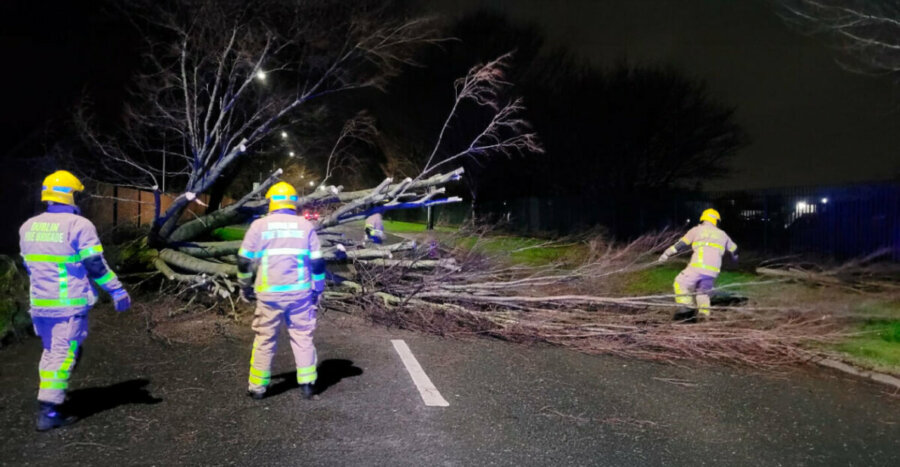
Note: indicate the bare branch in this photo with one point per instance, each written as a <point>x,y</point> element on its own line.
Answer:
<point>866,32</point>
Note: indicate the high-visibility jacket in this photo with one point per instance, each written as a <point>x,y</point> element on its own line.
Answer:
<point>56,246</point>
<point>709,244</point>
<point>375,227</point>
<point>286,256</point>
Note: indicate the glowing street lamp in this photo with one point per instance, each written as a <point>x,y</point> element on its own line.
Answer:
<point>824,200</point>
<point>801,205</point>
<point>283,135</point>
<point>261,75</point>
<point>291,154</point>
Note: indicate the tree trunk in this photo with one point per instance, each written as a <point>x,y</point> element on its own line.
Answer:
<point>190,263</point>
<point>180,255</point>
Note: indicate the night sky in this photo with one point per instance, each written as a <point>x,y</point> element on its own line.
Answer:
<point>810,121</point>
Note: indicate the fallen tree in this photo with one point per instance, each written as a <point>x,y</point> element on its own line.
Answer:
<point>223,83</point>
<point>860,274</point>
<point>579,306</point>
<point>211,99</point>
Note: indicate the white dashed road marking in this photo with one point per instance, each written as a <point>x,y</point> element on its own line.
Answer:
<point>429,393</point>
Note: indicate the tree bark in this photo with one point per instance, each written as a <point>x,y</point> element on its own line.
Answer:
<point>190,263</point>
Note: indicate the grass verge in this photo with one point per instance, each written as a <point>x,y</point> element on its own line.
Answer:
<point>13,297</point>
<point>659,280</point>
<point>517,250</point>
<point>877,345</point>
<point>524,250</point>
<point>412,227</point>
<point>230,233</point>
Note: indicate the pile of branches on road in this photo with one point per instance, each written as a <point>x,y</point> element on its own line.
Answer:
<point>224,83</point>
<point>463,292</point>
<point>861,274</point>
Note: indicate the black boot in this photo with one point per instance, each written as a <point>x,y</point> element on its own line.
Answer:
<point>685,315</point>
<point>308,391</point>
<point>256,395</point>
<point>49,417</point>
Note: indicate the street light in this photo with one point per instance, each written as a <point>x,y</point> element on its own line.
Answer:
<point>312,183</point>
<point>291,154</point>
<point>824,200</point>
<point>283,135</point>
<point>261,75</point>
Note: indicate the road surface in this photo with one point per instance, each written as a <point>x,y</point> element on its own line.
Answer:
<point>145,402</point>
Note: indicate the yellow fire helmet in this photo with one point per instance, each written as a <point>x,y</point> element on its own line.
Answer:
<point>60,187</point>
<point>711,215</point>
<point>282,196</point>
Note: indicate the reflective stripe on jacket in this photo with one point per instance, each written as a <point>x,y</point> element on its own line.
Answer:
<point>284,248</point>
<point>54,246</point>
<point>375,226</point>
<point>709,244</point>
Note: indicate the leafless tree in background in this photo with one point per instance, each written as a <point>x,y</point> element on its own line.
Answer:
<point>867,32</point>
<point>222,81</point>
<point>220,78</point>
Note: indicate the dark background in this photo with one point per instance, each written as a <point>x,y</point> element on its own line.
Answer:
<point>810,122</point>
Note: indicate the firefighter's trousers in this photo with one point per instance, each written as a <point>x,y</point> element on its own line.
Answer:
<point>693,281</point>
<point>61,339</point>
<point>300,317</point>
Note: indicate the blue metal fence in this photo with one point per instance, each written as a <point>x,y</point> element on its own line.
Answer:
<point>843,221</point>
<point>839,221</point>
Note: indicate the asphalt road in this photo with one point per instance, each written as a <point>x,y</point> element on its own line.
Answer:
<point>150,403</point>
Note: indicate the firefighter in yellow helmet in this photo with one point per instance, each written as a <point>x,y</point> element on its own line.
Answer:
<point>62,253</point>
<point>709,243</point>
<point>374,229</point>
<point>280,265</point>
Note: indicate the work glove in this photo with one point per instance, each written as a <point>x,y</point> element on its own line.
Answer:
<point>248,294</point>
<point>663,258</point>
<point>121,300</point>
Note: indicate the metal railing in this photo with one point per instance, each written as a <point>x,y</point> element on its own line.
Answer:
<point>837,221</point>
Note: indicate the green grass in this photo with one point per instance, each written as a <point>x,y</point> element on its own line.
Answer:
<point>232,232</point>
<point>411,227</point>
<point>236,232</point>
<point>660,279</point>
<point>878,344</point>
<point>523,250</point>
<point>13,297</point>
